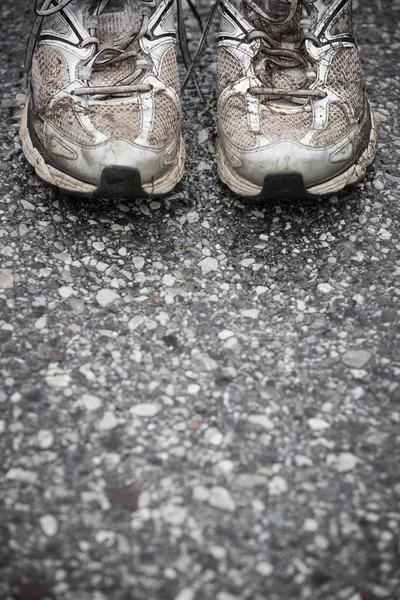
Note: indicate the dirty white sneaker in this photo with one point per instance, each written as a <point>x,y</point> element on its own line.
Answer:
<point>293,116</point>
<point>104,116</point>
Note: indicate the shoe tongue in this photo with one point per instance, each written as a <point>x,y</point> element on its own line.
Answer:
<point>117,22</point>
<point>119,17</point>
<point>284,33</point>
<point>276,9</point>
<point>287,36</point>
<point>115,6</point>
<point>288,79</point>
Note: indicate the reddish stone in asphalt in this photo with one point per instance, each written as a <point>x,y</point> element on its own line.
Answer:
<point>127,497</point>
<point>34,591</point>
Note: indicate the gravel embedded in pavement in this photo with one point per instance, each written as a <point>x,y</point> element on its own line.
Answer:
<point>200,395</point>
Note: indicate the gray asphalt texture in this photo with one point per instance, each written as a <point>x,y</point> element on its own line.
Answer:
<point>200,396</point>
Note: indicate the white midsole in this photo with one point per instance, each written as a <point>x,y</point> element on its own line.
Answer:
<point>353,174</point>
<point>53,176</point>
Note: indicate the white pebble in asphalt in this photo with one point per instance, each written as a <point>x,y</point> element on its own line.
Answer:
<point>49,525</point>
<point>145,410</point>
<point>221,498</point>
<point>45,439</point>
<point>346,462</point>
<point>106,296</point>
<point>356,359</point>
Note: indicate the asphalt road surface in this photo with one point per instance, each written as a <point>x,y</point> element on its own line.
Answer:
<point>200,396</point>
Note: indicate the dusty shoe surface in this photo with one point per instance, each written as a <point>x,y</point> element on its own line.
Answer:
<point>104,115</point>
<point>293,116</point>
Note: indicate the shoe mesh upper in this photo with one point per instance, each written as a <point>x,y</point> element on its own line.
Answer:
<point>63,115</point>
<point>116,120</point>
<point>288,79</point>
<point>229,69</point>
<point>111,74</point>
<point>233,119</point>
<point>166,118</point>
<point>49,75</point>
<point>347,79</point>
<point>290,125</point>
<point>169,70</point>
<point>338,125</point>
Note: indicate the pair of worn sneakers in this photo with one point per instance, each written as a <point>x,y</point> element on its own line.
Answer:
<point>104,115</point>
